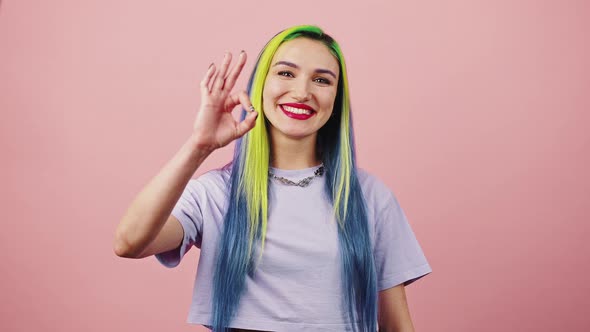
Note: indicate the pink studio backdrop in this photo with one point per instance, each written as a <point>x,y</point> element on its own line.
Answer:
<point>474,112</point>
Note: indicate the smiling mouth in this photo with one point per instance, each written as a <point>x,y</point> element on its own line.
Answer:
<point>298,112</point>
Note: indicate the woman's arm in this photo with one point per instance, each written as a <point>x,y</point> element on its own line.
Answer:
<point>394,315</point>
<point>147,227</point>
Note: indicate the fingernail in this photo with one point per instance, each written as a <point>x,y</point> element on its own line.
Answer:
<point>251,108</point>
<point>242,51</point>
<point>211,65</point>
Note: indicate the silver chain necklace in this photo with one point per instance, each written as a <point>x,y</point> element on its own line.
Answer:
<point>303,183</point>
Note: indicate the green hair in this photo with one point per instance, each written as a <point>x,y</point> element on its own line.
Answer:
<point>254,184</point>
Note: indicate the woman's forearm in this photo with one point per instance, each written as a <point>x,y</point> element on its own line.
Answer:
<point>150,209</point>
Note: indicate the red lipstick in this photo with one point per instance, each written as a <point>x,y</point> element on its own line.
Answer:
<point>296,115</point>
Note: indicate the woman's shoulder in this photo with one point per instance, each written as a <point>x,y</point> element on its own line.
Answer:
<point>370,182</point>
<point>221,174</point>
<point>213,180</point>
<point>375,190</point>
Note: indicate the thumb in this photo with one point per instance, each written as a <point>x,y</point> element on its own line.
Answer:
<point>247,124</point>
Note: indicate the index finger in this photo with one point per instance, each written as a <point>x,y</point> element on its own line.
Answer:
<point>235,72</point>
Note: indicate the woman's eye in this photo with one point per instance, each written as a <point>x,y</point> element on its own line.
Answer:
<point>285,73</point>
<point>322,80</point>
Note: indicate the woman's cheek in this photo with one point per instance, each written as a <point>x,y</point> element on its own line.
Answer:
<point>277,87</point>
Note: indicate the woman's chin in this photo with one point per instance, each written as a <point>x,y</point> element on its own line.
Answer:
<point>293,133</point>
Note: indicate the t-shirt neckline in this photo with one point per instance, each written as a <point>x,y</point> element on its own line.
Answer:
<point>304,172</point>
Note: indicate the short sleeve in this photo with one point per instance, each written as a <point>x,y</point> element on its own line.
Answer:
<point>398,255</point>
<point>187,210</point>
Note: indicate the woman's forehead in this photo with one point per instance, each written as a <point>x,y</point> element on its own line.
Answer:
<point>305,52</point>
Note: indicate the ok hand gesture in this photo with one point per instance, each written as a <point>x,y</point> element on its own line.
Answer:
<point>215,126</point>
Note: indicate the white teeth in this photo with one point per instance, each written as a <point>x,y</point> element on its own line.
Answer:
<point>296,110</point>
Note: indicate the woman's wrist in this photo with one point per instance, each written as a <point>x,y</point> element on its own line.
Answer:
<point>196,149</point>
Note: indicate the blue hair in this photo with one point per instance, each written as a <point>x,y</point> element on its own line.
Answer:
<point>246,217</point>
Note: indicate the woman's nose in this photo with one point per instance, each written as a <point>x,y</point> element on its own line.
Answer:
<point>301,91</point>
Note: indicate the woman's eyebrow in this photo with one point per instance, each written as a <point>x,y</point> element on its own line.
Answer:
<point>292,65</point>
<point>325,71</point>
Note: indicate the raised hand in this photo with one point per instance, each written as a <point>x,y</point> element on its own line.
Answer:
<point>215,125</point>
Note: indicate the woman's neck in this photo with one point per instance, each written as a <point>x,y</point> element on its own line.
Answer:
<point>288,153</point>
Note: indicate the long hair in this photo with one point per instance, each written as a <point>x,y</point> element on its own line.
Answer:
<point>247,213</point>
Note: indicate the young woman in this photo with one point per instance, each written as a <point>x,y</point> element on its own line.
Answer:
<point>293,237</point>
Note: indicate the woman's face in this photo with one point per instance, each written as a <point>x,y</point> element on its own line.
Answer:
<point>300,89</point>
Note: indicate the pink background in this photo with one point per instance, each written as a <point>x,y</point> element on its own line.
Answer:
<point>476,113</point>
